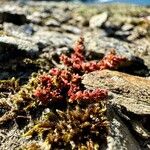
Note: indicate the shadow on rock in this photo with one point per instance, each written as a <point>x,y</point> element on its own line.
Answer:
<point>137,67</point>
<point>17,58</point>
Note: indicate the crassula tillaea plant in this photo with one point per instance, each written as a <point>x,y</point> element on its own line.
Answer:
<point>65,84</point>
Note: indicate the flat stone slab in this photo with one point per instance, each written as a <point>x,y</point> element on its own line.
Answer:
<point>131,92</point>
<point>98,20</point>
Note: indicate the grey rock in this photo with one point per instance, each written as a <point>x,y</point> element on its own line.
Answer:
<point>38,17</point>
<point>23,31</point>
<point>103,45</point>
<point>11,43</point>
<point>138,127</point>
<point>122,34</point>
<point>14,142</point>
<point>142,49</point>
<point>138,32</point>
<point>52,23</point>
<point>71,29</point>
<point>35,20</point>
<point>53,39</point>
<point>61,15</point>
<point>127,27</point>
<point>119,137</point>
<point>10,139</point>
<point>98,20</point>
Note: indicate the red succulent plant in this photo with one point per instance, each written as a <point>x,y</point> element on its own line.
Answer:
<point>66,84</point>
<point>78,62</point>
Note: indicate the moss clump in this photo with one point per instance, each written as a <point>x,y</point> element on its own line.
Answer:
<point>32,146</point>
<point>24,97</point>
<point>76,128</point>
<point>11,85</point>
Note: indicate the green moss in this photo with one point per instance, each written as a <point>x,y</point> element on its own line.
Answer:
<point>32,146</point>
<point>9,85</point>
<point>25,94</point>
<point>75,128</point>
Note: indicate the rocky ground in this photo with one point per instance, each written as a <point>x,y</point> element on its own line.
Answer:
<point>34,34</point>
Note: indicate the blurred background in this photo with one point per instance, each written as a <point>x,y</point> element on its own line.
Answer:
<point>138,2</point>
<point>42,26</point>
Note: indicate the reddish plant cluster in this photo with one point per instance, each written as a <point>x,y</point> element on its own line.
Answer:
<point>66,84</point>
<point>62,84</point>
<point>47,90</point>
<point>93,95</point>
<point>53,85</point>
<point>78,62</point>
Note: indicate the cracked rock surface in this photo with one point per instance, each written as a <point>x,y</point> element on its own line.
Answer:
<point>131,92</point>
